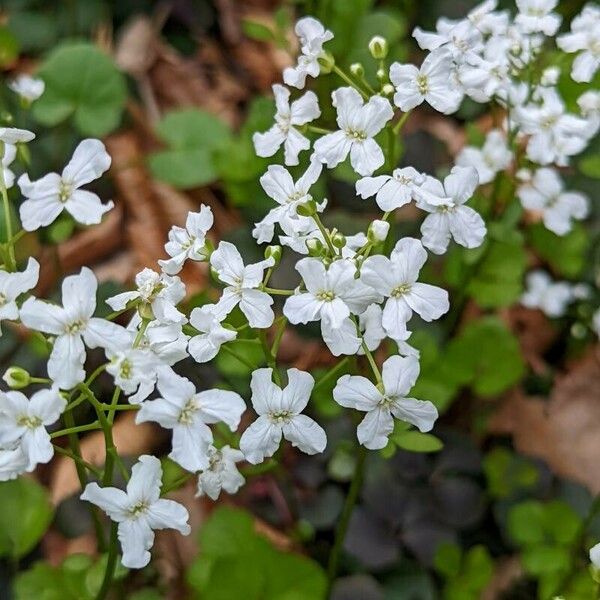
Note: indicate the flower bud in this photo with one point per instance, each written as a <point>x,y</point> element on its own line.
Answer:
<point>16,378</point>
<point>338,240</point>
<point>314,246</point>
<point>378,47</point>
<point>307,209</point>
<point>550,76</point>
<point>145,311</point>
<point>357,70</point>
<point>273,252</point>
<point>381,74</point>
<point>378,231</point>
<point>388,89</point>
<point>326,62</point>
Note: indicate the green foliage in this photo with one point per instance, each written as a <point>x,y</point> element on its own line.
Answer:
<point>83,83</point>
<point>235,557</point>
<point>486,357</point>
<point>77,578</point>
<point>25,515</point>
<point>507,473</point>
<point>415,441</point>
<point>566,254</point>
<point>9,47</point>
<point>192,137</point>
<point>466,574</point>
<point>590,166</point>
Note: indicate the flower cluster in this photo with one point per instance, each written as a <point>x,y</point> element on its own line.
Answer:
<point>364,290</point>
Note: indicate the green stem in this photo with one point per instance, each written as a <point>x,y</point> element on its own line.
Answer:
<point>175,485</point>
<point>325,234</point>
<point>278,337</point>
<point>111,563</point>
<point>77,459</point>
<point>349,81</point>
<point>372,362</point>
<point>269,357</point>
<point>344,520</point>
<point>276,292</point>
<point>75,428</point>
<point>11,262</point>
<point>320,130</point>
<point>398,126</point>
<point>337,368</point>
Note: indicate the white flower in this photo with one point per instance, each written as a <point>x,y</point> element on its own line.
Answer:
<point>589,105</point>
<point>378,230</point>
<point>585,37</point>
<point>279,415</point>
<point>595,556</point>
<point>399,375</point>
<point>312,36</point>
<point>189,242</point>
<point>395,278</point>
<point>450,218</point>
<point>166,341</point>
<point>242,281</point>
<point>492,158</point>
<point>13,461</point>
<point>431,83</point>
<point>12,285</point>
<point>279,185</point>
<point>24,422</point>
<point>487,20</point>
<point>10,153</point>
<point>552,298</point>
<point>206,345</point>
<point>331,294</point>
<point>188,413</point>
<point>49,196</point>
<point>221,473</point>
<point>139,510</point>
<point>391,191</point>
<point>461,40</point>
<point>358,124</point>
<point>27,87</point>
<point>12,135</point>
<point>537,15</point>
<point>72,324</point>
<point>288,117</point>
<point>162,292</point>
<point>545,193</point>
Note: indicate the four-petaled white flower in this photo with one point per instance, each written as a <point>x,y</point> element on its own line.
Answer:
<point>288,119</point>
<point>162,292</point>
<point>13,461</point>
<point>49,196</point>
<point>391,191</point>
<point>449,217</point>
<point>431,83</point>
<point>72,324</point>
<point>242,283</point>
<point>492,158</point>
<point>279,414</point>
<point>537,16</point>
<point>399,375</point>
<point>312,36</point>
<point>396,279</point>
<point>221,472</point>
<point>23,421</point>
<point>584,37</point>
<point>139,510</point>
<point>358,123</point>
<point>189,242</point>
<point>551,297</point>
<point>206,345</point>
<point>188,413</point>
<point>545,194</point>
<point>27,87</point>
<point>331,294</point>
<point>12,285</point>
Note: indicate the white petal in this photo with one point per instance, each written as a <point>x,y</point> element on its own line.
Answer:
<point>261,439</point>
<point>65,365</point>
<point>256,306</point>
<point>355,391</point>
<point>399,375</point>
<point>168,514</point>
<point>374,429</point>
<point>305,434</point>
<point>145,480</point>
<point>420,413</point>
<point>111,500</point>
<point>221,405</point>
<point>85,207</point>
<point>296,394</point>
<point>428,301</point>
<point>136,539</point>
<point>90,160</point>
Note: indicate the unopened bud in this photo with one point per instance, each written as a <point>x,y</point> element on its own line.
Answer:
<point>388,89</point>
<point>550,76</point>
<point>381,74</point>
<point>307,209</point>
<point>16,378</point>
<point>273,252</point>
<point>338,240</point>
<point>314,246</point>
<point>378,47</point>
<point>326,62</point>
<point>378,231</point>
<point>145,311</point>
<point>357,70</point>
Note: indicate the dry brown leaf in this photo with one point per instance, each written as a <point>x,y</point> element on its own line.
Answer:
<point>562,430</point>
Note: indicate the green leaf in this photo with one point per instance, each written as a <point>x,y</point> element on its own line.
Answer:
<point>9,47</point>
<point>544,558</point>
<point>257,31</point>
<point>561,522</point>
<point>447,560</point>
<point>192,136</point>
<point>415,441</point>
<point>507,472</point>
<point>590,166</point>
<point>526,523</point>
<point>83,83</point>
<point>486,355</point>
<point>566,254</point>
<point>25,515</point>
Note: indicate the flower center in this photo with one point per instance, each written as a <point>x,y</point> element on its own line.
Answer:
<point>189,243</point>
<point>445,208</point>
<point>65,190</point>
<point>214,461</point>
<point>75,326</point>
<point>186,416</point>
<point>126,369</point>
<point>355,135</point>
<point>138,509</point>
<point>29,422</point>
<point>326,295</point>
<point>403,179</point>
<point>422,84</point>
<point>387,401</point>
<point>151,288</point>
<point>280,417</point>
<point>400,290</point>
